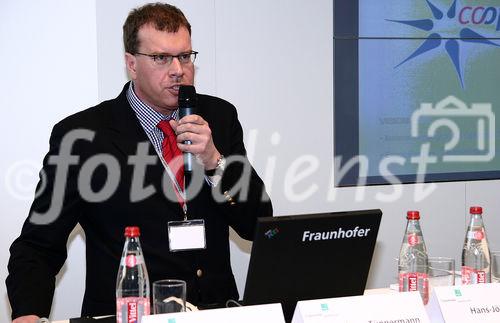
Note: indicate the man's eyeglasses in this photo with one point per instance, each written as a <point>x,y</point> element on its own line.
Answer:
<point>166,59</point>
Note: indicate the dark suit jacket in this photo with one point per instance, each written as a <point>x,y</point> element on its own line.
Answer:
<point>40,251</point>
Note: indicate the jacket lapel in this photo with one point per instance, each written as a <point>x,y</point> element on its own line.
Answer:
<point>126,133</point>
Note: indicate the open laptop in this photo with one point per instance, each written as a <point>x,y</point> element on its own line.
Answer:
<point>310,256</point>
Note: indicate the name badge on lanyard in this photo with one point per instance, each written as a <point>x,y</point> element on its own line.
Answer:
<point>186,235</point>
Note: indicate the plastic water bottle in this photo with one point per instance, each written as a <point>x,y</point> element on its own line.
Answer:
<point>132,283</point>
<point>412,266</point>
<point>476,255</point>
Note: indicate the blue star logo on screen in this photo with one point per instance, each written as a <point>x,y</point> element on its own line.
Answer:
<point>452,28</point>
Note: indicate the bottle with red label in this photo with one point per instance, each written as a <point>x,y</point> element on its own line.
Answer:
<point>476,254</point>
<point>132,283</point>
<point>413,259</point>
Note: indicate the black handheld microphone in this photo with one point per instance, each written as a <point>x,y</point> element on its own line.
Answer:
<point>187,106</point>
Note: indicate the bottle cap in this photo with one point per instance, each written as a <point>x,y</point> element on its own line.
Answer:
<point>132,232</point>
<point>413,215</point>
<point>476,210</point>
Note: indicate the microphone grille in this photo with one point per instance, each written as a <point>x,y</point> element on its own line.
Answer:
<point>187,95</point>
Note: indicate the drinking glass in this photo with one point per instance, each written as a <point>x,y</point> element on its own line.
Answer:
<point>495,267</point>
<point>169,296</point>
<point>441,271</point>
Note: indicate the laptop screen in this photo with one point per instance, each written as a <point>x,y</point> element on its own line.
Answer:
<point>310,256</point>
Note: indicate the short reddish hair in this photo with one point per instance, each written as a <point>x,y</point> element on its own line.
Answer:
<point>162,16</point>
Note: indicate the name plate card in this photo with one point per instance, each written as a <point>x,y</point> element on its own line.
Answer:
<point>378,308</point>
<point>269,313</point>
<point>465,303</point>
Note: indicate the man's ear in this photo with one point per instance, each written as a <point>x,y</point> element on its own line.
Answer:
<point>130,62</point>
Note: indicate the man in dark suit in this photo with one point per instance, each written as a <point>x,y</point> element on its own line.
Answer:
<point>103,171</point>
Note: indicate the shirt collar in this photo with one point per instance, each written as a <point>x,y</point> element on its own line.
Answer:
<point>147,116</point>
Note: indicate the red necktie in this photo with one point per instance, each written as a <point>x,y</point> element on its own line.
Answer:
<point>171,153</point>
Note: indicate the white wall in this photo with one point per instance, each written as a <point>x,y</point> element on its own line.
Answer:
<point>272,59</point>
<point>49,70</point>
